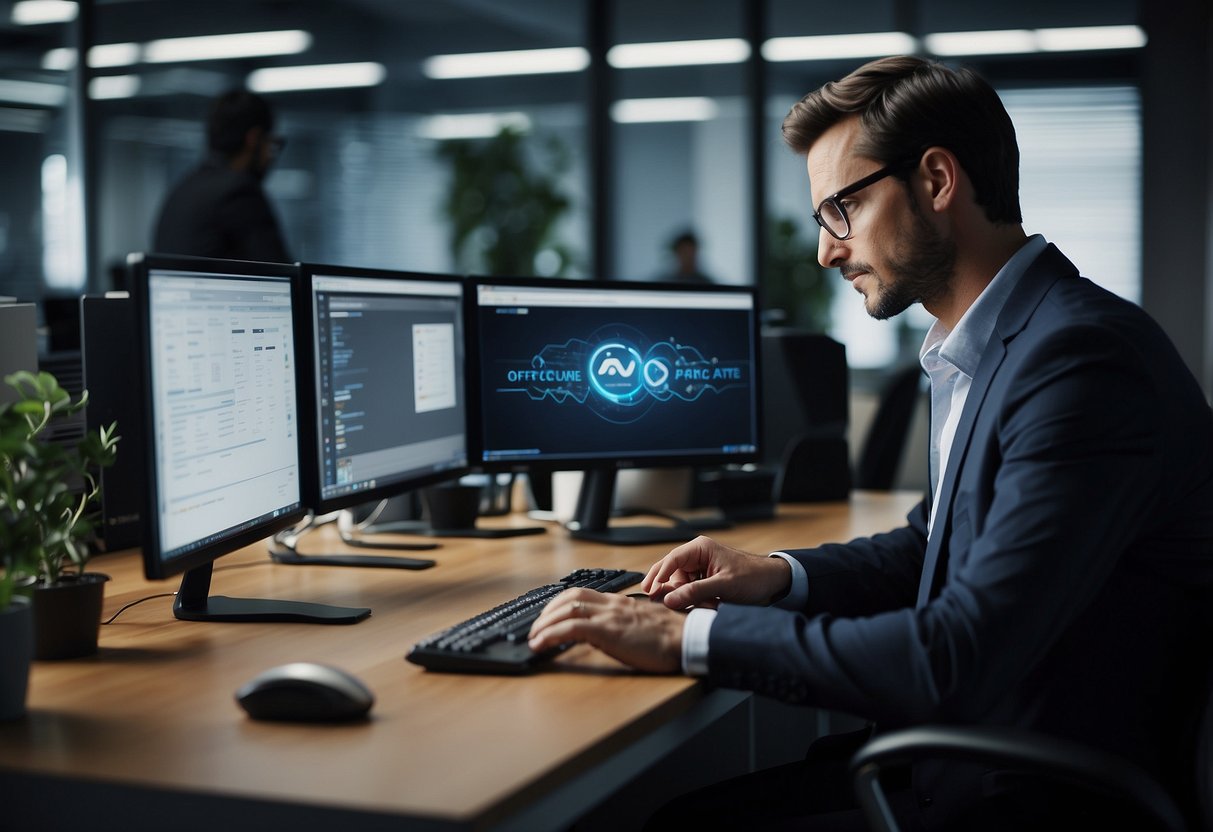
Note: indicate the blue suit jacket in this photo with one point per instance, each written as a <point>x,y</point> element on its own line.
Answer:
<point>1066,584</point>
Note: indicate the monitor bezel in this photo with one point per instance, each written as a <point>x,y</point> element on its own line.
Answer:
<point>304,329</point>
<point>140,266</point>
<point>587,463</point>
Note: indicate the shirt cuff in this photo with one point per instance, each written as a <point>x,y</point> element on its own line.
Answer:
<point>798,595</point>
<point>695,631</point>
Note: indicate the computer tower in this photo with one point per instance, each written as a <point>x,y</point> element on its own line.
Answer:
<point>18,344</point>
<point>805,415</point>
<point>107,325</point>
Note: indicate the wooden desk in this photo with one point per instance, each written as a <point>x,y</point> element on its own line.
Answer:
<point>146,733</point>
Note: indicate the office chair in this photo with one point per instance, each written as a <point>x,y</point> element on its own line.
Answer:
<point>885,440</point>
<point>1052,758</point>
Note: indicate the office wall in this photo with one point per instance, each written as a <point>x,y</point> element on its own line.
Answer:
<point>702,178</point>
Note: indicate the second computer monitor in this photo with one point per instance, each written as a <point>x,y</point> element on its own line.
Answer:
<point>601,376</point>
<point>384,375</point>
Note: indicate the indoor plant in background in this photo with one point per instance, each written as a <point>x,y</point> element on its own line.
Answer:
<point>795,284</point>
<point>47,493</point>
<point>504,205</point>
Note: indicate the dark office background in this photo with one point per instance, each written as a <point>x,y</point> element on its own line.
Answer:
<point>1115,130</point>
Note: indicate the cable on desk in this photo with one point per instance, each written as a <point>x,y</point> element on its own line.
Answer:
<point>110,620</point>
<point>140,601</point>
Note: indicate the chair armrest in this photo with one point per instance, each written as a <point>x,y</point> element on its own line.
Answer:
<point>1052,757</point>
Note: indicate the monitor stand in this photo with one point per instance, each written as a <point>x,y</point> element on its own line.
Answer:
<point>284,549</point>
<point>195,603</point>
<point>452,510</point>
<point>591,520</point>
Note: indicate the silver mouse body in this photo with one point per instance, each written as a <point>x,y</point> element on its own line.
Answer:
<point>305,692</point>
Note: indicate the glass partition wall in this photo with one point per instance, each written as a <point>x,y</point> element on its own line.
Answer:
<point>541,137</point>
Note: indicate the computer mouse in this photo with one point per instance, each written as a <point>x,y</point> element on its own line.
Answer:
<point>305,692</point>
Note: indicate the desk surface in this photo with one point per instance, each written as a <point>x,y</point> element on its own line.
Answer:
<point>154,708</point>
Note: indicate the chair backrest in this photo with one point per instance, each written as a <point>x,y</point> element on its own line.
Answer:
<point>1204,761</point>
<point>885,441</point>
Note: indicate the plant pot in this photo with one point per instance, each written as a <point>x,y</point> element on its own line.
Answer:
<point>16,650</point>
<point>67,616</point>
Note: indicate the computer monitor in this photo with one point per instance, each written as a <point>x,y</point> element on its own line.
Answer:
<point>384,378</point>
<point>602,376</point>
<point>221,425</point>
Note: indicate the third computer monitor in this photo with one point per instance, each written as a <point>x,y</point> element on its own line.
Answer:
<point>384,377</point>
<point>600,376</point>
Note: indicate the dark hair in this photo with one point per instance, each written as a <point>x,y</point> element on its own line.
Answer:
<point>683,238</point>
<point>906,105</point>
<point>232,115</point>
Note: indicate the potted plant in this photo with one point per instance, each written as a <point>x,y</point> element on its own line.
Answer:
<point>16,647</point>
<point>795,283</point>
<point>503,208</point>
<point>47,491</point>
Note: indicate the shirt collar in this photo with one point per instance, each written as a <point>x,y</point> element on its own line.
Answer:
<point>963,345</point>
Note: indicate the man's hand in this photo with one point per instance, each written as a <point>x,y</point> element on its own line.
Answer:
<point>639,633</point>
<point>704,572</point>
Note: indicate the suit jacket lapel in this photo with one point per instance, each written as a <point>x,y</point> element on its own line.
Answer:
<point>1044,271</point>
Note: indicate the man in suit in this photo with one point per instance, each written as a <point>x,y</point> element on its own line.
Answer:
<point>220,209</point>
<point>1058,577</point>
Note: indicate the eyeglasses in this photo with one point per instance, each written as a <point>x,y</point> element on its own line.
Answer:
<point>832,215</point>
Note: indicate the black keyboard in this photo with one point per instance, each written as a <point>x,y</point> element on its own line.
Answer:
<point>495,641</point>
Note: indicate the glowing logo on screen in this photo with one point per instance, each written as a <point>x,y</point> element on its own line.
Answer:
<point>612,367</point>
<point>613,372</point>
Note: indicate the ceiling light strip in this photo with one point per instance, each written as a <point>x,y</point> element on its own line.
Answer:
<point>444,127</point>
<point>678,53</point>
<point>1083,38</point>
<point>827,47</point>
<point>221,47</point>
<point>519,62</point>
<point>652,110</point>
<point>39,12</point>
<point>316,77</point>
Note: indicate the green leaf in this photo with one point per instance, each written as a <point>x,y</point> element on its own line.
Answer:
<point>44,524</point>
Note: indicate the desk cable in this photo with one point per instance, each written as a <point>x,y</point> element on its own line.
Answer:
<point>126,607</point>
<point>110,620</point>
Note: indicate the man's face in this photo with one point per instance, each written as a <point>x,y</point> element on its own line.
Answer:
<point>894,257</point>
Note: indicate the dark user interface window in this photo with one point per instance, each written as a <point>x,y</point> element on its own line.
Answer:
<point>389,378</point>
<point>621,374</point>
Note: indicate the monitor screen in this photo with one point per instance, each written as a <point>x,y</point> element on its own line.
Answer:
<point>385,378</point>
<point>221,414</point>
<point>601,376</point>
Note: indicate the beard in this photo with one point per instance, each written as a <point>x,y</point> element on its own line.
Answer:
<point>920,274</point>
